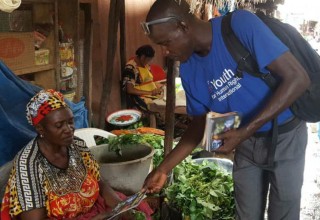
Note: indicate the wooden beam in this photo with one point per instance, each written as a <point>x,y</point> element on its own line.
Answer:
<point>114,17</point>
<point>123,58</point>
<point>170,106</point>
<point>87,58</point>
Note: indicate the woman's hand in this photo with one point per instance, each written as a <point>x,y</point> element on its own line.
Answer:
<point>156,92</point>
<point>128,215</point>
<point>155,181</point>
<point>102,216</point>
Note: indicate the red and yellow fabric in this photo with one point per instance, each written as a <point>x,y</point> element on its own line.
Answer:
<point>68,205</point>
<point>42,104</point>
<point>73,204</point>
<point>146,77</point>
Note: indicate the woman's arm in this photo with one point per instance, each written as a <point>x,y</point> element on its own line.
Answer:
<point>34,214</point>
<point>110,196</point>
<point>111,199</point>
<point>131,90</point>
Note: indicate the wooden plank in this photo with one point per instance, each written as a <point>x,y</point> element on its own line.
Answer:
<point>39,1</point>
<point>86,1</point>
<point>87,58</point>
<point>170,106</point>
<point>123,58</point>
<point>56,47</point>
<point>45,79</point>
<point>153,107</point>
<point>114,15</point>
<point>34,69</point>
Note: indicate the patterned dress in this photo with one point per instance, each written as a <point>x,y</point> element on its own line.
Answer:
<point>142,79</point>
<point>36,183</point>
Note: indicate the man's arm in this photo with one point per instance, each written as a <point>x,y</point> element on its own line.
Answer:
<point>190,139</point>
<point>294,80</point>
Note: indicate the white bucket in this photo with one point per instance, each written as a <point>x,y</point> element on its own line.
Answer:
<point>124,173</point>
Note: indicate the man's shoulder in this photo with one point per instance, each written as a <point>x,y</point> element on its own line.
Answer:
<point>242,12</point>
<point>243,17</point>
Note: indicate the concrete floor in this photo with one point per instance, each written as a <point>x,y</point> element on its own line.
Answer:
<point>310,201</point>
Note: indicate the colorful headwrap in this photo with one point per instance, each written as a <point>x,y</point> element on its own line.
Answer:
<point>42,104</point>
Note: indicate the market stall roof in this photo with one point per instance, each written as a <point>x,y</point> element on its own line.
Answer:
<point>196,5</point>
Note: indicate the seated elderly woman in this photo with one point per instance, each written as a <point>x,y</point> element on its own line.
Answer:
<point>55,176</point>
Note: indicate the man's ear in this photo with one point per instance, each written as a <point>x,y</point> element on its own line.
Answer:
<point>183,25</point>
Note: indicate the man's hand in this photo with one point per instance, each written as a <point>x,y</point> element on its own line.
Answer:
<point>231,139</point>
<point>155,181</point>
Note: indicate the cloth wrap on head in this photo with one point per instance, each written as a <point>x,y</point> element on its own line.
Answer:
<point>42,104</point>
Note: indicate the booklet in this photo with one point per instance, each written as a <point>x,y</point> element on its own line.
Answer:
<point>217,123</point>
<point>130,203</point>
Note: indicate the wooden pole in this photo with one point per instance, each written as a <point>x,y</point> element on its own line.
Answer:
<point>87,58</point>
<point>113,24</point>
<point>170,105</point>
<point>123,58</point>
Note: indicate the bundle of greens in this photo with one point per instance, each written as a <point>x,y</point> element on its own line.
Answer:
<point>117,143</point>
<point>201,191</point>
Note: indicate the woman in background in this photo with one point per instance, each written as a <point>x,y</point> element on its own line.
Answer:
<point>138,80</point>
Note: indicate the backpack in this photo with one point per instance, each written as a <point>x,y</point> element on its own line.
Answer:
<point>307,106</point>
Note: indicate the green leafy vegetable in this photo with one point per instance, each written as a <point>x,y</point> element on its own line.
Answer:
<point>138,215</point>
<point>120,142</point>
<point>202,191</point>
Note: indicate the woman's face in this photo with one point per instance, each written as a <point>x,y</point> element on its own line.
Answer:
<point>57,127</point>
<point>144,60</point>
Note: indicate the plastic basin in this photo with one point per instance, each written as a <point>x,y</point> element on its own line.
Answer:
<point>124,173</point>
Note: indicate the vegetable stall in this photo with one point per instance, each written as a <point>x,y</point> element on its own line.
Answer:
<point>197,189</point>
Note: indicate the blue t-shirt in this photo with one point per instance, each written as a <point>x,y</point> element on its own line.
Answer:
<point>210,82</point>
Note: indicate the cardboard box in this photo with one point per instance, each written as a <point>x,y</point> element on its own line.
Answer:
<point>42,56</point>
<point>17,49</point>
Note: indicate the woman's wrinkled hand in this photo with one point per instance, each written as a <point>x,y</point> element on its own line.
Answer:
<point>155,181</point>
<point>128,215</point>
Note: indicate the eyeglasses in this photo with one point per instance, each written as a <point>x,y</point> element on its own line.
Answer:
<point>145,25</point>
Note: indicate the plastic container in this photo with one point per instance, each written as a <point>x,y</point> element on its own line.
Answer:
<point>124,173</point>
<point>42,57</point>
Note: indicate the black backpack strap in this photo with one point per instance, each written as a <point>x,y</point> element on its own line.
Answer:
<point>241,55</point>
<point>248,64</point>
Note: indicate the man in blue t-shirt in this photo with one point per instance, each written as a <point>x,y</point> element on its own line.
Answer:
<point>208,77</point>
